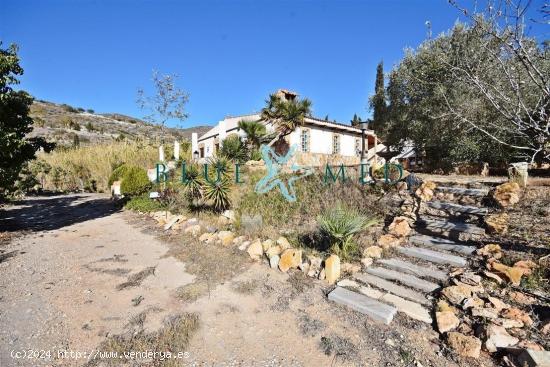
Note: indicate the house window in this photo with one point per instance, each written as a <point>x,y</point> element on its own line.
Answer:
<point>304,140</point>
<point>358,147</point>
<point>201,152</point>
<point>335,144</point>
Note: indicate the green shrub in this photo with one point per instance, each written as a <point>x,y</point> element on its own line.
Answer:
<point>117,174</point>
<point>340,225</point>
<point>134,181</point>
<point>143,203</point>
<point>234,149</point>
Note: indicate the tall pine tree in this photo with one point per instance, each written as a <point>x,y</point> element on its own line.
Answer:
<point>378,101</point>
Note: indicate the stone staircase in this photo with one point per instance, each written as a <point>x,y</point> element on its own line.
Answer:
<point>405,282</point>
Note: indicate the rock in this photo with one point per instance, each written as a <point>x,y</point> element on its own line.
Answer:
<point>426,191</point>
<point>446,321</point>
<point>457,293</point>
<point>534,358</point>
<point>507,194</point>
<point>350,268</point>
<point>526,265</point>
<point>274,261</point>
<point>466,346</point>
<point>229,214</point>
<point>322,274</point>
<point>243,246</point>
<point>497,223</point>
<point>290,258</point>
<point>473,302</point>
<point>521,298</point>
<point>519,173</point>
<point>401,186</point>
<point>273,251</point>
<point>255,250</point>
<point>470,278</point>
<point>486,313</point>
<point>206,237</point>
<point>223,221</point>
<point>497,303</point>
<point>498,337</point>
<point>304,267</point>
<point>238,240</point>
<point>490,251</point>
<point>194,230</point>
<point>388,241</point>
<point>283,242</point>
<point>115,188</point>
<point>366,262</point>
<point>267,244</point>
<point>493,276</point>
<point>226,237</point>
<point>512,273</point>
<point>373,251</point>
<point>172,221</point>
<point>525,344</point>
<point>508,324</point>
<point>443,306</point>
<point>314,266</point>
<point>192,221</point>
<point>517,314</point>
<point>399,227</point>
<point>332,269</point>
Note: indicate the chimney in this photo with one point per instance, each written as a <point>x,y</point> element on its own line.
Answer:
<point>286,95</point>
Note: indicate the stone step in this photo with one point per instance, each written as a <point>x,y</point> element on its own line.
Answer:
<point>393,288</point>
<point>410,268</point>
<point>463,191</point>
<point>440,243</point>
<point>406,279</point>
<point>409,308</point>
<point>445,225</point>
<point>433,256</point>
<point>376,310</point>
<point>468,209</point>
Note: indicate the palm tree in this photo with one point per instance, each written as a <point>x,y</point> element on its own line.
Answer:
<point>285,114</point>
<point>256,133</point>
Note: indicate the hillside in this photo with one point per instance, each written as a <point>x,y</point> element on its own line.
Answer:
<point>67,125</point>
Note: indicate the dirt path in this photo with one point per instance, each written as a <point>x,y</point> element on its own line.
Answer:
<point>84,277</point>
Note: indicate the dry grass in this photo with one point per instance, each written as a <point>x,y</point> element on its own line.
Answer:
<point>136,279</point>
<point>76,168</point>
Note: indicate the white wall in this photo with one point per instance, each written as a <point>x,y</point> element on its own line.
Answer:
<point>321,141</point>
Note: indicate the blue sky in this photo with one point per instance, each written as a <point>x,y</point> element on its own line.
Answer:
<point>230,54</point>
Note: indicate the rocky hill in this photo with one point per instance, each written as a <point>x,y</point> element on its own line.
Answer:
<point>67,126</point>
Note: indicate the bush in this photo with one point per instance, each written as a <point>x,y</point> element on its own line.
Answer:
<point>234,149</point>
<point>340,225</point>
<point>89,110</point>
<point>218,193</point>
<point>68,108</point>
<point>117,174</point>
<point>143,203</point>
<point>134,181</point>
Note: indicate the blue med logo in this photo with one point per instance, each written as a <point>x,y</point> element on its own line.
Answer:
<point>274,164</point>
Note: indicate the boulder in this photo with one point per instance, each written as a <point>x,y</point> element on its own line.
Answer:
<point>446,321</point>
<point>472,302</point>
<point>508,323</point>
<point>518,315</point>
<point>267,244</point>
<point>493,276</point>
<point>366,262</point>
<point>243,246</point>
<point>290,258</point>
<point>507,194</point>
<point>350,268</point>
<point>274,261</point>
<point>466,346</point>
<point>255,250</point>
<point>521,298</point>
<point>457,293</point>
<point>229,214</point>
<point>498,337</point>
<point>518,173</point>
<point>490,251</point>
<point>388,241</point>
<point>332,269</point>
<point>527,265</point>
<point>322,274</point>
<point>498,304</point>
<point>426,191</point>
<point>497,223</point>
<point>193,230</point>
<point>273,251</point>
<point>513,274</point>
<point>314,266</point>
<point>399,227</point>
<point>486,313</point>
<point>173,220</point>
<point>238,240</point>
<point>206,237</point>
<point>283,242</point>
<point>115,188</point>
<point>226,237</point>
<point>373,252</point>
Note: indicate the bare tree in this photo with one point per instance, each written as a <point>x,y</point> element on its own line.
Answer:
<point>510,71</point>
<point>168,102</point>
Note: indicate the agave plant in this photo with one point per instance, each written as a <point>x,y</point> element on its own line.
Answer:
<point>220,167</point>
<point>193,183</point>
<point>218,193</point>
<point>340,225</point>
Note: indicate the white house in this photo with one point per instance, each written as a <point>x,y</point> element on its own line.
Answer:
<point>319,141</point>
